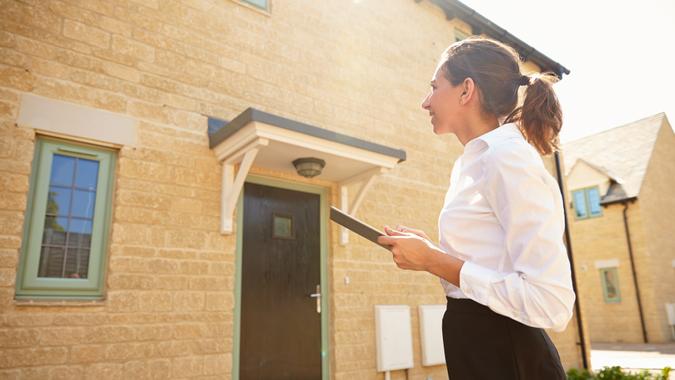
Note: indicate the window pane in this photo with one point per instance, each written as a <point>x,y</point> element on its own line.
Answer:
<point>80,226</point>
<point>55,230</point>
<point>79,234</point>
<point>83,267</point>
<point>611,284</point>
<point>594,200</point>
<point>579,203</point>
<point>63,168</point>
<point>258,3</point>
<point>51,261</point>
<point>78,239</point>
<point>58,201</point>
<point>77,261</point>
<point>87,174</point>
<point>283,227</point>
<point>68,223</point>
<point>459,35</point>
<point>83,204</point>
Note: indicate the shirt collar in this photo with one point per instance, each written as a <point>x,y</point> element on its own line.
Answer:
<point>493,137</point>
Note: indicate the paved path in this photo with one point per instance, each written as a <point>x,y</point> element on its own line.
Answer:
<point>633,356</point>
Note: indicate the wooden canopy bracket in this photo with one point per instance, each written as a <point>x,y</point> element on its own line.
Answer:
<point>232,183</point>
<point>365,180</point>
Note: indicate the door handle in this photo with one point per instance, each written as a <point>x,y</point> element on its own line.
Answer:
<point>317,295</point>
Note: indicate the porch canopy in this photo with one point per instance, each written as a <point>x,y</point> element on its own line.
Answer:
<point>273,142</point>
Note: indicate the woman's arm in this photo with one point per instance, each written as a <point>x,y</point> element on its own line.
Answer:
<point>538,292</point>
<point>411,251</point>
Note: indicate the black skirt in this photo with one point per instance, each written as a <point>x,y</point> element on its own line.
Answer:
<point>483,345</point>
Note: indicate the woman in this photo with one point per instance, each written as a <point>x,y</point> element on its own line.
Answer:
<point>501,257</point>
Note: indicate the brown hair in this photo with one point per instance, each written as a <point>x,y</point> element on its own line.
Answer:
<point>494,68</point>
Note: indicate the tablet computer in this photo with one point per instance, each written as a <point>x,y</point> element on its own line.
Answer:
<point>357,226</point>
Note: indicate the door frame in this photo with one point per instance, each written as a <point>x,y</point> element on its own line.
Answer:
<point>325,294</point>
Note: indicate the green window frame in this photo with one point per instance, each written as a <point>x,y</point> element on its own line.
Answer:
<point>71,185</point>
<point>609,277</point>
<point>586,203</point>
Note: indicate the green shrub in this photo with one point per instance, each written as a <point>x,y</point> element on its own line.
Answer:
<point>576,374</point>
<point>615,373</point>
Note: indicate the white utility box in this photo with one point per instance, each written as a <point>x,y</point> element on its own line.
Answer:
<point>431,334</point>
<point>393,335</point>
<point>670,310</point>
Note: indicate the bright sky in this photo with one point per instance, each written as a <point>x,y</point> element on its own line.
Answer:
<point>621,55</point>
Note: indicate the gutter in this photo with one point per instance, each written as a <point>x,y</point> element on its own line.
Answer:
<point>568,245</point>
<point>620,200</point>
<point>632,267</point>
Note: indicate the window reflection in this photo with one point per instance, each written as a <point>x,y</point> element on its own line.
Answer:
<point>71,202</point>
<point>580,204</point>
<point>63,168</point>
<point>83,203</point>
<point>594,200</point>
<point>611,288</point>
<point>51,261</point>
<point>58,201</point>
<point>55,230</point>
<point>87,174</point>
<point>610,284</point>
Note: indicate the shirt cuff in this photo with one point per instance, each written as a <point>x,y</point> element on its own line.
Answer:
<point>475,281</point>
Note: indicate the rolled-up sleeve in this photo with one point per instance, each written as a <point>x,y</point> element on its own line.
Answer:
<point>526,201</point>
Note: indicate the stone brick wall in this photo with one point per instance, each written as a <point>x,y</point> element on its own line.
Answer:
<point>604,238</point>
<point>658,207</point>
<point>168,313</point>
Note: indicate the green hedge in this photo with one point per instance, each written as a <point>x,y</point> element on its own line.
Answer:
<point>615,373</point>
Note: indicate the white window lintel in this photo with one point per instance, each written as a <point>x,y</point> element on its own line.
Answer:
<point>604,264</point>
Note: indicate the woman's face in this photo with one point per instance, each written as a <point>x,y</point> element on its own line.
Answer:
<point>443,103</point>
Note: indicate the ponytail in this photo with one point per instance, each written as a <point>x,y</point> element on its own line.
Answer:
<point>540,116</point>
<point>494,67</point>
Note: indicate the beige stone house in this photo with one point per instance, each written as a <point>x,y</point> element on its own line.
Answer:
<point>622,216</point>
<point>152,222</point>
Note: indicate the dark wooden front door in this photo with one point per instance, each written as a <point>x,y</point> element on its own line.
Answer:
<point>280,325</point>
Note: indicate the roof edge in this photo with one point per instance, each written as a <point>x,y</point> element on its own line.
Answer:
<point>252,114</point>
<point>482,24</point>
<point>662,115</point>
<point>600,169</point>
<point>620,200</point>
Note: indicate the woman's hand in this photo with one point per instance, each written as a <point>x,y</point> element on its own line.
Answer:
<point>401,228</point>
<point>411,250</point>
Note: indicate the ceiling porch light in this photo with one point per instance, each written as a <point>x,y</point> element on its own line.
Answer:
<point>309,166</point>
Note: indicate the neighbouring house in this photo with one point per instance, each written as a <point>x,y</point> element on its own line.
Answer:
<point>152,221</point>
<point>622,216</point>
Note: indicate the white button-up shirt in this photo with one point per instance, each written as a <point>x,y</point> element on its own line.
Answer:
<point>503,215</point>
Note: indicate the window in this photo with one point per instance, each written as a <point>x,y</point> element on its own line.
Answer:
<point>282,226</point>
<point>65,238</point>
<point>610,285</point>
<point>460,35</point>
<point>587,203</point>
<point>262,4</point>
